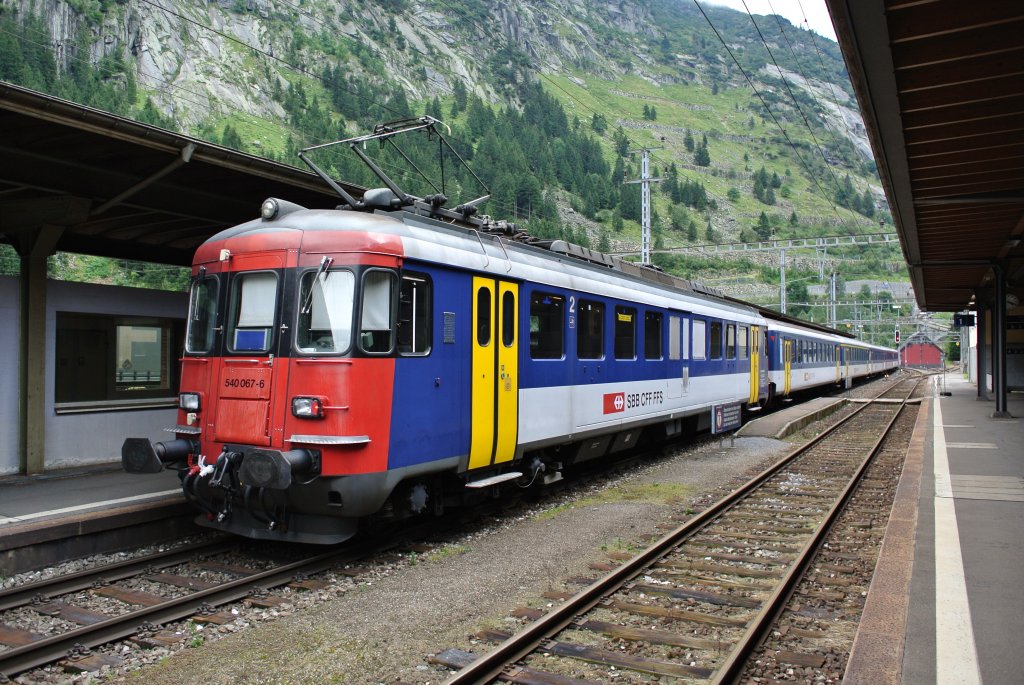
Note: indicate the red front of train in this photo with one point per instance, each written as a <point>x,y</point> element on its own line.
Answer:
<point>273,404</point>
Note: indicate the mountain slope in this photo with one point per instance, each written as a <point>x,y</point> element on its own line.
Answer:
<point>546,98</point>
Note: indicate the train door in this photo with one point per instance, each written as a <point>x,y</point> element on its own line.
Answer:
<point>494,427</point>
<point>787,364</point>
<point>835,353</point>
<point>755,364</point>
<point>246,406</point>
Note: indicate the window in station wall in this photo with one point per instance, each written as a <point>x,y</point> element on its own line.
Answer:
<point>113,359</point>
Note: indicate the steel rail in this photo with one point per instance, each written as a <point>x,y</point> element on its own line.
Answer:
<point>733,667</point>
<point>47,650</point>
<point>490,666</point>
<point>21,595</point>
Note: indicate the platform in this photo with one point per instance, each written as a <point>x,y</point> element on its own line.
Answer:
<point>787,421</point>
<point>44,519</point>
<point>945,603</point>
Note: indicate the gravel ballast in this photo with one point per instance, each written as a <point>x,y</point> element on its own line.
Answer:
<point>381,628</point>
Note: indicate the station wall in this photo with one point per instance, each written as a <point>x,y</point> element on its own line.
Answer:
<point>87,435</point>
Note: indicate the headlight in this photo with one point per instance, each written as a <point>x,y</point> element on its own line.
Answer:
<point>269,209</point>
<point>308,407</point>
<point>189,401</point>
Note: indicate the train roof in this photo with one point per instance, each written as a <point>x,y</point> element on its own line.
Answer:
<point>379,213</point>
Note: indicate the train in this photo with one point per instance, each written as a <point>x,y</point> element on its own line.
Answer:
<point>392,357</point>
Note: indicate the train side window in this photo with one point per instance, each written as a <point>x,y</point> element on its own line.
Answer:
<point>202,315</point>
<point>699,339</point>
<point>730,341</point>
<point>743,340</point>
<point>253,306</point>
<point>625,332</point>
<point>715,340</point>
<point>325,312</point>
<point>483,317</point>
<point>414,315</point>
<point>652,335</point>
<point>508,319</point>
<point>376,315</point>
<point>590,330</point>
<point>547,326</point>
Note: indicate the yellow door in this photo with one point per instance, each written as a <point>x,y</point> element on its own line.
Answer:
<point>835,351</point>
<point>755,364</point>
<point>787,355</point>
<point>495,390</point>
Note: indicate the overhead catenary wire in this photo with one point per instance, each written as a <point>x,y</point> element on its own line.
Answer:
<point>768,109</point>
<point>295,67</point>
<point>800,68</point>
<point>792,95</point>
<point>301,70</point>
<point>150,81</point>
<point>821,62</point>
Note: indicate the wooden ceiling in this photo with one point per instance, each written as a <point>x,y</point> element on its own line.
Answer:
<point>118,188</point>
<point>941,86</point>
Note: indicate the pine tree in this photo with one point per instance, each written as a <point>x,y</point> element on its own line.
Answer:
<point>691,231</point>
<point>793,221</point>
<point>621,142</point>
<point>868,204</point>
<point>688,141</point>
<point>701,156</point>
<point>763,228</point>
<point>230,138</point>
<point>619,172</point>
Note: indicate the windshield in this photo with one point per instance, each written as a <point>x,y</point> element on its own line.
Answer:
<point>325,312</point>
<point>252,310</point>
<point>202,315</point>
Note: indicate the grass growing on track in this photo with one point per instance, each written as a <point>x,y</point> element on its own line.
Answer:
<point>653,493</point>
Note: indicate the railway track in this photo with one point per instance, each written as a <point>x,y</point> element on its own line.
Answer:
<point>104,605</point>
<point>132,599</point>
<point>699,602</point>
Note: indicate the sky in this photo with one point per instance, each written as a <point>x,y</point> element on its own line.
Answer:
<point>815,10</point>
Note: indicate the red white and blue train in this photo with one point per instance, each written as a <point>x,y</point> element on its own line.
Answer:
<point>395,357</point>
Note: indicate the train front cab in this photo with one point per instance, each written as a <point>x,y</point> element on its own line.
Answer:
<point>286,381</point>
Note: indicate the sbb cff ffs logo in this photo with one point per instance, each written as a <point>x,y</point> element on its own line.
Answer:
<point>614,402</point>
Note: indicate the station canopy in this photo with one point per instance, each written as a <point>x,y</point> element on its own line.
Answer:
<point>119,188</point>
<point>941,87</point>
